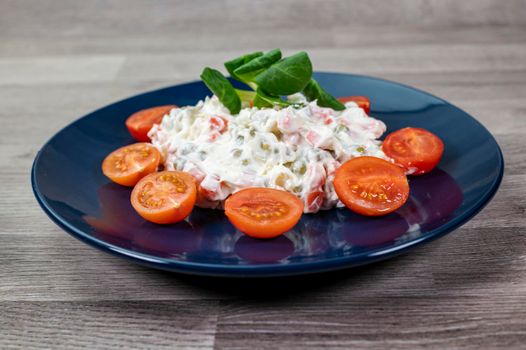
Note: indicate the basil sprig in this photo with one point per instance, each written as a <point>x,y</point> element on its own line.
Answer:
<point>271,77</point>
<point>313,91</point>
<point>222,88</point>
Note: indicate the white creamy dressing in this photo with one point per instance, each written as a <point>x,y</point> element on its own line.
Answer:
<point>293,149</point>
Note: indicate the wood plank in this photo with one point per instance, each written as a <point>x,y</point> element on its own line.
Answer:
<point>50,265</point>
<point>46,70</point>
<point>470,261</point>
<point>209,37</point>
<point>434,59</point>
<point>108,325</point>
<point>447,58</point>
<point>372,322</point>
<point>165,17</point>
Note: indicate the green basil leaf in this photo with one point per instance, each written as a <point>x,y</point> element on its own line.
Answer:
<point>287,76</point>
<point>245,95</point>
<point>263,99</point>
<point>253,67</point>
<point>313,91</point>
<point>222,88</point>
<point>232,65</point>
<point>260,102</point>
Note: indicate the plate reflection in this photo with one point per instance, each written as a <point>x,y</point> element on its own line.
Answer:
<point>208,236</point>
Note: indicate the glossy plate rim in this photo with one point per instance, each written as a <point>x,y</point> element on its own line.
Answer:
<point>267,270</point>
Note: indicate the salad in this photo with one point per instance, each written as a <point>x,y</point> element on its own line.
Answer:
<point>296,149</point>
<point>268,154</point>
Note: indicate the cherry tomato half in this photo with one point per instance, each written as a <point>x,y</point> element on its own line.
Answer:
<point>263,212</point>
<point>371,186</point>
<point>165,197</point>
<point>362,102</point>
<point>129,164</point>
<point>140,123</point>
<point>415,149</point>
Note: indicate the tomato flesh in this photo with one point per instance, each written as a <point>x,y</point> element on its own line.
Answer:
<point>315,201</point>
<point>217,126</point>
<point>362,102</point>
<point>140,123</point>
<point>417,150</point>
<point>128,164</point>
<point>165,197</point>
<point>263,212</point>
<point>371,186</point>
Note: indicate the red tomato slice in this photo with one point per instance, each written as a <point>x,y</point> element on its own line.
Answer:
<point>129,164</point>
<point>263,212</point>
<point>140,123</point>
<point>415,149</point>
<point>362,102</point>
<point>371,186</point>
<point>315,200</point>
<point>165,197</point>
<point>218,123</point>
<point>217,126</point>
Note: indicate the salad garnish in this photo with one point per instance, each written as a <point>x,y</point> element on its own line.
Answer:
<point>271,78</point>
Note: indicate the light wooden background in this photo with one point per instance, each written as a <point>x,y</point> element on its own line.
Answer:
<point>62,59</point>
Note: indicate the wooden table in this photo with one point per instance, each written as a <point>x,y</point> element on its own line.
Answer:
<point>60,60</point>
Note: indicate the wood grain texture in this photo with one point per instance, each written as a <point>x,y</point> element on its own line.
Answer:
<point>108,325</point>
<point>375,323</point>
<point>60,60</point>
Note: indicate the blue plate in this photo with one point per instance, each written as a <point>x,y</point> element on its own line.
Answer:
<point>68,184</point>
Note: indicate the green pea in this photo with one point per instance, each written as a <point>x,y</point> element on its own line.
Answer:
<point>300,167</point>
<point>237,153</point>
<point>297,189</point>
<point>341,128</point>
